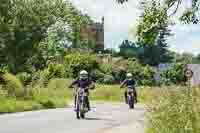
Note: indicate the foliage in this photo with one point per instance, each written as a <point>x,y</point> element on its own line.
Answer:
<point>106,68</point>
<point>12,85</point>
<point>172,110</point>
<point>11,105</point>
<point>190,14</point>
<point>24,77</point>
<point>153,20</point>
<point>59,37</point>
<point>75,62</point>
<point>144,75</point>
<point>128,49</point>
<point>154,55</point>
<point>53,71</point>
<point>108,79</point>
<point>25,23</point>
<point>187,58</point>
<point>175,75</point>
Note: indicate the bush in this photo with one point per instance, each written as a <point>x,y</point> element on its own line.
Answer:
<point>144,75</point>
<point>56,71</point>
<point>13,85</point>
<point>75,62</point>
<point>175,75</point>
<point>106,68</point>
<point>98,76</point>
<point>53,71</point>
<point>108,79</point>
<point>24,77</point>
<point>47,103</point>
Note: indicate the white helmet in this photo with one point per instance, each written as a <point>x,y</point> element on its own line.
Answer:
<point>129,75</point>
<point>83,74</point>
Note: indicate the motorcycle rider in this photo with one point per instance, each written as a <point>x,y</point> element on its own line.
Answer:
<point>83,82</point>
<point>129,81</point>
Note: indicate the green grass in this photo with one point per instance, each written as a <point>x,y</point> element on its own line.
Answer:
<point>55,95</point>
<point>110,93</point>
<point>172,110</point>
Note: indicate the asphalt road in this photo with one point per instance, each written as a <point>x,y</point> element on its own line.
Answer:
<point>104,118</point>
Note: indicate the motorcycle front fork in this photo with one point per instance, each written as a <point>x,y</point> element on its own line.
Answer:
<point>86,100</point>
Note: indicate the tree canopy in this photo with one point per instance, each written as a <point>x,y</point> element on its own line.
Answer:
<point>190,14</point>
<point>25,23</point>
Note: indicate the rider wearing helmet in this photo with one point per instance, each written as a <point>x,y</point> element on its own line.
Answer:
<point>84,82</point>
<point>129,81</point>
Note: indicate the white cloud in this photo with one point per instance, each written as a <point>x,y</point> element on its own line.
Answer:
<point>186,38</point>
<point>120,19</point>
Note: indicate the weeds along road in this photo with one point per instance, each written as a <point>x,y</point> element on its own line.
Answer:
<point>106,118</point>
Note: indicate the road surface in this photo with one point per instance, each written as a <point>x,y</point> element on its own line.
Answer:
<point>106,118</point>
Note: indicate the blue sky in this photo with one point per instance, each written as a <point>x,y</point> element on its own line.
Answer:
<point>121,20</point>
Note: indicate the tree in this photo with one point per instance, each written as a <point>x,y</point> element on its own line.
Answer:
<point>128,49</point>
<point>59,38</point>
<point>152,23</point>
<point>24,24</point>
<point>189,15</point>
<point>152,32</point>
<point>187,58</point>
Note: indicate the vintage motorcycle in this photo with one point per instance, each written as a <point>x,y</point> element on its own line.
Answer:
<point>81,103</point>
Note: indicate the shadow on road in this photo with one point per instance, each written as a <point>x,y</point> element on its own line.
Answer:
<point>98,119</point>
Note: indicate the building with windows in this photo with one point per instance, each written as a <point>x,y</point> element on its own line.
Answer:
<point>94,32</point>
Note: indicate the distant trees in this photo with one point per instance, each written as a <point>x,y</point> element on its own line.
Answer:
<point>128,49</point>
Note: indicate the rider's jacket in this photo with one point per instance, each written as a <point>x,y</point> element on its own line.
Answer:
<point>128,82</point>
<point>82,83</point>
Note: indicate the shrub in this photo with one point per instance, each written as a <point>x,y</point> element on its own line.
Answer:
<point>106,68</point>
<point>175,75</point>
<point>53,71</point>
<point>98,76</point>
<point>24,77</point>
<point>148,75</point>
<point>47,103</point>
<point>108,79</point>
<point>13,85</point>
<point>56,71</point>
<point>144,75</point>
<point>75,62</point>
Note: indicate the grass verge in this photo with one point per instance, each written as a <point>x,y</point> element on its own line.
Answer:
<point>174,110</point>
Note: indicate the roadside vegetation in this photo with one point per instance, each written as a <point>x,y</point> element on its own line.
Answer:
<point>173,110</point>
<point>42,50</point>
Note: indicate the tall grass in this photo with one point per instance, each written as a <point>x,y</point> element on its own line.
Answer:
<point>107,93</point>
<point>55,95</point>
<point>174,110</point>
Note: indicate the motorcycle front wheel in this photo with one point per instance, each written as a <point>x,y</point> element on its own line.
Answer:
<point>131,102</point>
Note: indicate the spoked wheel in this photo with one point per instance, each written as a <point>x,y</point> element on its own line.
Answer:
<point>131,102</point>
<point>78,112</point>
<point>82,109</point>
<point>82,115</point>
<point>77,115</point>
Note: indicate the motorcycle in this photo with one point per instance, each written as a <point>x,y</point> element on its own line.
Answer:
<point>81,104</point>
<point>131,97</point>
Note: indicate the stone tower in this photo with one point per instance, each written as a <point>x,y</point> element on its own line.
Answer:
<point>94,32</point>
